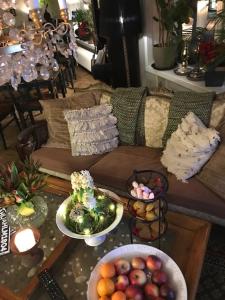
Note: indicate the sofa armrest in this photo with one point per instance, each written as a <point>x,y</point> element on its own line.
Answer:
<point>31,139</point>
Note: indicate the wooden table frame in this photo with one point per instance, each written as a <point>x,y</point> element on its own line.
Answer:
<point>191,270</point>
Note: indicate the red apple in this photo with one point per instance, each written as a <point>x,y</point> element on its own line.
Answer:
<point>151,290</point>
<point>122,266</point>
<point>159,277</point>
<point>138,263</point>
<point>122,282</point>
<point>153,263</point>
<point>166,291</point>
<point>134,293</point>
<point>137,277</point>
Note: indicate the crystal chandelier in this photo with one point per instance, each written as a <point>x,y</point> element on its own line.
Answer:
<point>29,53</point>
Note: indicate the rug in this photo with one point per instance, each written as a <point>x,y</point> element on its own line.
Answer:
<point>212,281</point>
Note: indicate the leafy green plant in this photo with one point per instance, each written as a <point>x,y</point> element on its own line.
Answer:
<point>19,185</point>
<point>82,15</point>
<point>171,15</point>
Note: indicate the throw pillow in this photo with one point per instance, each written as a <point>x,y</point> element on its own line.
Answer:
<point>189,147</point>
<point>212,175</point>
<point>183,102</point>
<point>156,118</point>
<point>53,113</point>
<point>92,130</point>
<point>128,107</point>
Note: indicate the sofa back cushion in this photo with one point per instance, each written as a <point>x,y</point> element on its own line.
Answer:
<point>92,130</point>
<point>156,118</point>
<point>213,173</point>
<point>57,125</point>
<point>182,103</point>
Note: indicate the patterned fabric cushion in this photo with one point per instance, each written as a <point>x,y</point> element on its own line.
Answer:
<point>156,118</point>
<point>92,130</point>
<point>57,125</point>
<point>128,107</point>
<point>189,147</point>
<point>184,102</point>
<point>213,172</point>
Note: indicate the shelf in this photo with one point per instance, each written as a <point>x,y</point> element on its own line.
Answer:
<point>197,86</point>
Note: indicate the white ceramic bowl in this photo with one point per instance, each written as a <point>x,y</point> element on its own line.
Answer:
<point>93,239</point>
<point>176,278</point>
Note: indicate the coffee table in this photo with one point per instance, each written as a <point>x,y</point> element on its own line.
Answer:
<point>71,261</point>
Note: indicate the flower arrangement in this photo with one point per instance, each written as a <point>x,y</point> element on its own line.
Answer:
<point>90,210</point>
<point>18,185</point>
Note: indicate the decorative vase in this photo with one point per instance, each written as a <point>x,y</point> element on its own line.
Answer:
<point>93,239</point>
<point>164,57</point>
<point>36,219</point>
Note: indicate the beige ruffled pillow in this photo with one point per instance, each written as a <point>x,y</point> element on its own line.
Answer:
<point>92,130</point>
<point>156,118</point>
<point>189,147</point>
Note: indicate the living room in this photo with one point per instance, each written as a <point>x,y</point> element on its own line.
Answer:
<point>112,150</point>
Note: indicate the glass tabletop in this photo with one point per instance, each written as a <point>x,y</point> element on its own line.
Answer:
<point>13,274</point>
<point>185,240</point>
<point>73,269</point>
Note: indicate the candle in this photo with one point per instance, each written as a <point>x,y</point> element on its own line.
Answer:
<point>34,4</point>
<point>25,240</point>
<point>62,4</point>
<point>202,13</point>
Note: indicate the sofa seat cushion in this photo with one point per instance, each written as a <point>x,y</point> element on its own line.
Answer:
<point>61,162</point>
<point>116,167</point>
<point>195,196</point>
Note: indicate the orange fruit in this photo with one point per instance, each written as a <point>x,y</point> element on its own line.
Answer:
<point>104,298</point>
<point>105,287</point>
<point>107,270</point>
<point>118,296</point>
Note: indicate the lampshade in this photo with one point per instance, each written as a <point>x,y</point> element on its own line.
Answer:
<point>119,17</point>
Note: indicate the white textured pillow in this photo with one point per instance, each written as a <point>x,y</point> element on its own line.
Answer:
<point>189,147</point>
<point>92,130</point>
<point>156,118</point>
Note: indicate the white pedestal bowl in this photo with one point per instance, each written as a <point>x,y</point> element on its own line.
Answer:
<point>93,239</point>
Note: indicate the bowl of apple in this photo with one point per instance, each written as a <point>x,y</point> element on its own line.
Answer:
<point>136,272</point>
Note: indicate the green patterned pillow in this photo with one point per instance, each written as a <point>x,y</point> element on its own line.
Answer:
<point>182,103</point>
<point>128,107</point>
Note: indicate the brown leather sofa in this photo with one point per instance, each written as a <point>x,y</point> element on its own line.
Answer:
<point>113,169</point>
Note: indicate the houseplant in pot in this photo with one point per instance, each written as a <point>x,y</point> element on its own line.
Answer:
<point>19,192</point>
<point>89,213</point>
<point>85,24</point>
<point>170,17</point>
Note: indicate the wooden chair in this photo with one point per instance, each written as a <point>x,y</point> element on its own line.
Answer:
<point>8,115</point>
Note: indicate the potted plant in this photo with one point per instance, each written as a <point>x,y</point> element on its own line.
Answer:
<point>171,15</point>
<point>19,192</point>
<point>85,23</point>
<point>89,213</point>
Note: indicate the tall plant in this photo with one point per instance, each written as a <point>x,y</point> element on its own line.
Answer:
<point>171,15</point>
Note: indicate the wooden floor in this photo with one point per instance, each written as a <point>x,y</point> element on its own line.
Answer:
<point>84,79</point>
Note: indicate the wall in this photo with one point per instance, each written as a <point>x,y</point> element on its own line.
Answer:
<point>146,40</point>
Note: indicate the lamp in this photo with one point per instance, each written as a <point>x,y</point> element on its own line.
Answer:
<point>25,242</point>
<point>29,52</point>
